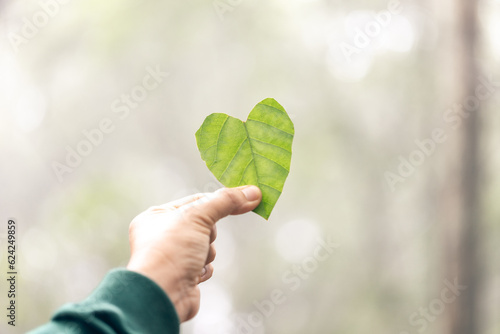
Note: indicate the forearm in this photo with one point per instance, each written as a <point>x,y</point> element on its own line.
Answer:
<point>125,302</point>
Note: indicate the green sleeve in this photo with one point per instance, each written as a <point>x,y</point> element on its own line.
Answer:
<point>125,302</point>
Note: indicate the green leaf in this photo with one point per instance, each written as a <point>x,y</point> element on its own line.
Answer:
<point>256,152</point>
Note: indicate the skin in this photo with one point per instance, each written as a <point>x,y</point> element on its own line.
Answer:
<point>172,244</point>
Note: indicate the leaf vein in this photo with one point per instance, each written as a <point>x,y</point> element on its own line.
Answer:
<point>267,105</point>
<point>254,120</point>
<point>234,156</point>
<point>218,137</point>
<point>209,148</point>
<point>273,161</point>
<point>271,144</point>
<point>244,171</point>
<point>253,154</point>
<point>271,187</point>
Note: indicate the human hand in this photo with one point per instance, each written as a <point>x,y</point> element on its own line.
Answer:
<point>172,243</point>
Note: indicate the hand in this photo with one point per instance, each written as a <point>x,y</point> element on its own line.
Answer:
<point>172,243</point>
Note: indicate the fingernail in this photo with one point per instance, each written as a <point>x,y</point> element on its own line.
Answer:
<point>203,271</point>
<point>252,193</point>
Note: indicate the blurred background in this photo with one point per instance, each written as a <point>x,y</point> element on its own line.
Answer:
<point>395,159</point>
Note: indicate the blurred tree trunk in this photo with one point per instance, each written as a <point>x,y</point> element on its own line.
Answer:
<point>461,212</point>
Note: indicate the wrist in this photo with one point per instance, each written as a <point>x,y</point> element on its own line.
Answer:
<point>169,284</point>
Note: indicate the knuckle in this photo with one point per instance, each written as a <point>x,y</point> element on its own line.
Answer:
<point>196,216</point>
<point>213,234</point>
<point>210,271</point>
<point>155,208</point>
<point>231,196</point>
<point>212,254</point>
<point>199,195</point>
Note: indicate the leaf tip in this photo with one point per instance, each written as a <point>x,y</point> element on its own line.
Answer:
<point>272,103</point>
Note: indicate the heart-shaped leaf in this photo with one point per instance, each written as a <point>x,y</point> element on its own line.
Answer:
<point>256,152</point>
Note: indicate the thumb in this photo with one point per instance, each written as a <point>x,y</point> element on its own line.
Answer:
<point>226,201</point>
